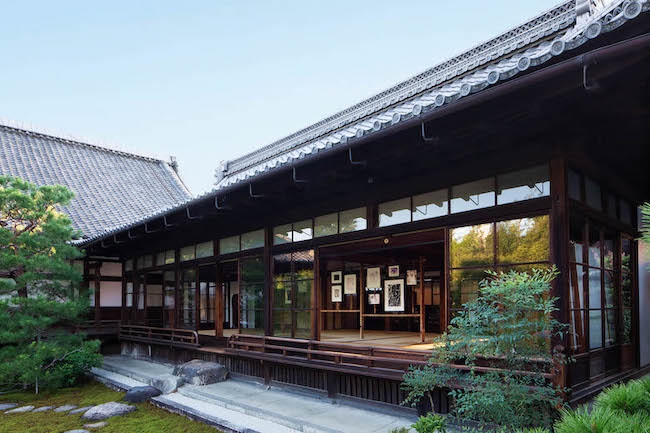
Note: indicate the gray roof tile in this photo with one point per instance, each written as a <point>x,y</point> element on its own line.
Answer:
<point>111,187</point>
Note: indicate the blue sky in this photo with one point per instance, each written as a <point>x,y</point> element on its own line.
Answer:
<point>211,80</point>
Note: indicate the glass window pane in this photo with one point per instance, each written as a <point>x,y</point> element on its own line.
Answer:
<point>472,246</point>
<point>282,297</point>
<point>577,332</point>
<point>575,185</point>
<point>170,257</point>
<point>626,290</point>
<point>611,295</point>
<point>187,253</point>
<point>282,267</point>
<point>128,265</point>
<point>627,326</point>
<point>282,323</point>
<point>353,220</point>
<point>472,195</point>
<point>594,247</point>
<point>610,327</point>
<point>595,329</point>
<point>252,296</point>
<point>204,249</point>
<point>608,247</point>
<point>160,258</point>
<point>326,225</point>
<point>252,322</point>
<point>303,294</point>
<point>395,212</point>
<point>282,234</point>
<point>140,296</point>
<point>147,261</point>
<point>303,324</point>
<point>170,289</point>
<point>430,205</point>
<point>304,265</point>
<point>576,283</point>
<point>254,239</point>
<point>576,234</point>
<point>91,293</point>
<point>229,245</point>
<point>594,288</point>
<point>594,195</point>
<point>523,240</point>
<point>524,185</point>
<point>303,230</point>
<point>464,285</point>
<point>251,270</point>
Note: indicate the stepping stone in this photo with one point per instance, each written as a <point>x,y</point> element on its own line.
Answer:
<point>81,409</point>
<point>108,410</point>
<point>79,430</point>
<point>167,383</point>
<point>7,406</point>
<point>43,409</point>
<point>21,409</point>
<point>140,394</point>
<point>96,425</point>
<point>65,408</point>
<point>199,372</point>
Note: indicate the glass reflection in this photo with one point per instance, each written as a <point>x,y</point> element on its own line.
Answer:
<point>523,240</point>
<point>472,195</point>
<point>282,234</point>
<point>524,185</point>
<point>430,205</point>
<point>472,246</point>
<point>594,288</point>
<point>595,329</point>
<point>352,220</point>
<point>395,212</point>
<point>326,225</point>
<point>464,285</point>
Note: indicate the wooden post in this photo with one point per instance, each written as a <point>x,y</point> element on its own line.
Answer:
<point>98,284</point>
<point>197,298</point>
<point>444,303</point>
<point>422,327</point>
<point>315,298</point>
<point>218,302</point>
<point>362,298</point>
<point>177,291</point>
<point>268,282</point>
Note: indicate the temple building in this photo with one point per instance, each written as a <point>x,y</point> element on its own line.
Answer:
<point>333,258</point>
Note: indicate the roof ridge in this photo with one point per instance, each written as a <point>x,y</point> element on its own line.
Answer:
<point>78,142</point>
<point>407,88</point>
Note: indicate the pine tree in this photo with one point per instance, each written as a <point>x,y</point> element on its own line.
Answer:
<point>40,299</point>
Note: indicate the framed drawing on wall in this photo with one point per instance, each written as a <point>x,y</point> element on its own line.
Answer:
<point>374,298</point>
<point>393,271</point>
<point>350,284</point>
<point>373,278</point>
<point>394,295</point>
<point>411,277</point>
<point>337,293</point>
<point>337,277</point>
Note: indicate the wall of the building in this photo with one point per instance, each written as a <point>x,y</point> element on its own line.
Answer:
<point>644,301</point>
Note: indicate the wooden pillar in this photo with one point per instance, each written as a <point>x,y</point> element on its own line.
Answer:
<point>197,299</point>
<point>218,302</point>
<point>123,308</point>
<point>422,324</point>
<point>444,300</point>
<point>315,298</point>
<point>177,291</point>
<point>362,298</point>
<point>98,282</point>
<point>268,282</point>
<point>559,227</point>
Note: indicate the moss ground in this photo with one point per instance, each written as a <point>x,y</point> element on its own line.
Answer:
<point>147,419</point>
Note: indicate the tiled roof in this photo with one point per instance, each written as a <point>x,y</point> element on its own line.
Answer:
<point>533,43</point>
<point>111,187</point>
<point>530,45</point>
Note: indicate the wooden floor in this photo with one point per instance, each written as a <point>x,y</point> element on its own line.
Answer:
<point>402,339</point>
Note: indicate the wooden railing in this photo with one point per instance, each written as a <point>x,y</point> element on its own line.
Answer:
<point>388,362</point>
<point>99,327</point>
<point>166,336</point>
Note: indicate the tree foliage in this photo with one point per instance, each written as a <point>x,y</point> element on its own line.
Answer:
<point>509,329</point>
<point>39,290</point>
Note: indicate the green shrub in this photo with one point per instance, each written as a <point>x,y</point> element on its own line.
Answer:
<point>400,430</point>
<point>532,430</point>
<point>645,383</point>
<point>431,423</point>
<point>581,420</point>
<point>630,398</point>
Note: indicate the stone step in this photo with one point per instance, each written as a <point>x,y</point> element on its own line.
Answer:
<point>147,372</point>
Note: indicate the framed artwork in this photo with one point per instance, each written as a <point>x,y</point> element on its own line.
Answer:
<point>394,295</point>
<point>350,284</point>
<point>374,298</point>
<point>393,271</point>
<point>337,277</point>
<point>411,277</point>
<point>373,278</point>
<point>337,293</point>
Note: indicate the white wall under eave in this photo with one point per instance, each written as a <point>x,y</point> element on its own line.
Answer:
<point>644,301</point>
<point>110,294</point>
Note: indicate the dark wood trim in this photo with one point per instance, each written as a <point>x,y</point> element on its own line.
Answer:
<point>268,281</point>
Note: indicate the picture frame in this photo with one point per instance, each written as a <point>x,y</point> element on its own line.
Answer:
<point>411,277</point>
<point>374,298</point>
<point>394,295</point>
<point>336,277</point>
<point>337,293</point>
<point>393,271</point>
<point>373,278</point>
<point>350,284</point>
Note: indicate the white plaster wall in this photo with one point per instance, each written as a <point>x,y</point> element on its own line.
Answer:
<point>644,301</point>
<point>110,294</point>
<point>110,269</point>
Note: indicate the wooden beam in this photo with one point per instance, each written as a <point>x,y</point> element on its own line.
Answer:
<point>422,327</point>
